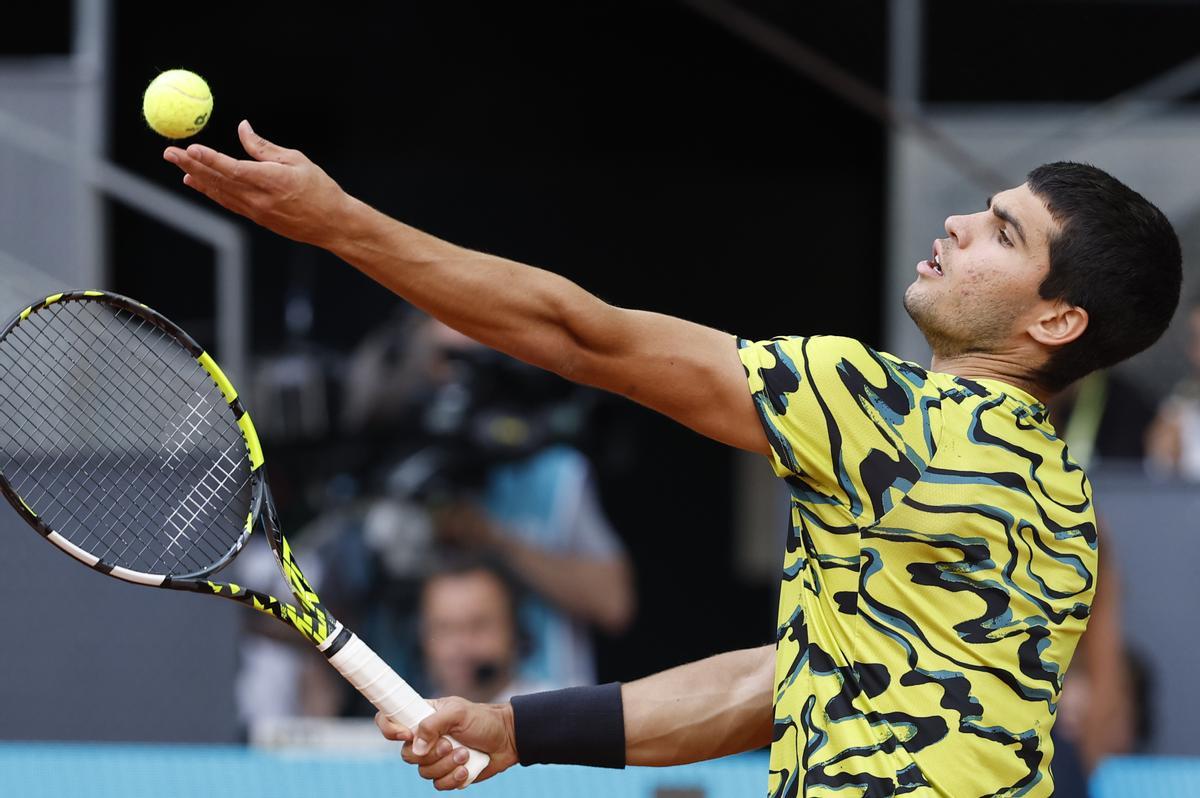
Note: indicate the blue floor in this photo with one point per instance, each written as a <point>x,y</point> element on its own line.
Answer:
<point>32,770</point>
<point>65,770</point>
<point>1147,777</point>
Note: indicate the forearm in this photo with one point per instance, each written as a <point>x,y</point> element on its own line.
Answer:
<point>598,591</point>
<point>703,710</point>
<point>687,371</point>
<point>529,313</point>
<point>684,370</point>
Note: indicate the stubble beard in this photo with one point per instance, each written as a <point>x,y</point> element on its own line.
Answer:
<point>950,337</point>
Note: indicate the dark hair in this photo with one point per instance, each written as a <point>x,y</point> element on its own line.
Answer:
<point>1116,256</point>
<point>466,564</point>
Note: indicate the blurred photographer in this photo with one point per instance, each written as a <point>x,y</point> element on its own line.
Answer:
<point>476,456</point>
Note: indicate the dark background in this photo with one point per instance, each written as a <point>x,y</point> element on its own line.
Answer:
<point>634,148</point>
<point>631,146</point>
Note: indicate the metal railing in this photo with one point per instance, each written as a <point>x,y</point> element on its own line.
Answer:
<point>227,239</point>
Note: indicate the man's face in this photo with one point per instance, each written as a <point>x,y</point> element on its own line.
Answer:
<point>467,633</point>
<point>979,289</point>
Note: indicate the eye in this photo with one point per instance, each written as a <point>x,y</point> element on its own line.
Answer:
<point>1004,239</point>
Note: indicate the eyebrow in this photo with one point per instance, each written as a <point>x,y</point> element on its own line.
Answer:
<point>1004,216</point>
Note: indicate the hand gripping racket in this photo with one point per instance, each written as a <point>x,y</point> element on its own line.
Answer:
<point>123,443</point>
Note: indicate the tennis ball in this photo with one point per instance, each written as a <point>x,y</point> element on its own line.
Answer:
<point>177,104</point>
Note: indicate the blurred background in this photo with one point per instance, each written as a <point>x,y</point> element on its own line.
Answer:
<point>763,167</point>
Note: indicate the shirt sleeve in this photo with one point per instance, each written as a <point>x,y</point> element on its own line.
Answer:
<point>845,423</point>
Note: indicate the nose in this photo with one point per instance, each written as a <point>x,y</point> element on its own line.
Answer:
<point>956,228</point>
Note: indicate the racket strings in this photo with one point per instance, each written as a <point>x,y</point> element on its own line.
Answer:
<point>86,469</point>
<point>26,475</point>
<point>119,438</point>
<point>131,422</point>
<point>31,477</point>
<point>174,457</point>
<point>192,507</point>
<point>200,499</point>
<point>172,461</point>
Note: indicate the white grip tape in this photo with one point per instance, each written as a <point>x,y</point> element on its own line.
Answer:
<point>391,695</point>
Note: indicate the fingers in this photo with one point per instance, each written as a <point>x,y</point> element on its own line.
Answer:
<point>201,176</point>
<point>222,198</point>
<point>215,161</point>
<point>392,730</point>
<point>259,148</point>
<point>186,161</point>
<point>397,731</point>
<point>436,758</point>
<point>224,186</point>
<point>217,169</point>
<point>447,715</point>
<point>444,764</point>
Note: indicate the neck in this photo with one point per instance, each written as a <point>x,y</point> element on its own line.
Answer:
<point>977,365</point>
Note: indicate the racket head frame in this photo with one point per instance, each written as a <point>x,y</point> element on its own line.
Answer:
<point>345,651</point>
<point>311,618</point>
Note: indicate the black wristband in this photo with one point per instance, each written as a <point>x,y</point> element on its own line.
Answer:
<point>575,726</point>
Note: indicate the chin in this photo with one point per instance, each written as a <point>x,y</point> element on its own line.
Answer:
<point>920,309</point>
<point>916,304</point>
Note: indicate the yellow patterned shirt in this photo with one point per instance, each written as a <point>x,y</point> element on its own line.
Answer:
<point>938,574</point>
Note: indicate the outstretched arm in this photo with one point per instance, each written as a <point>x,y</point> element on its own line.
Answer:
<point>707,709</point>
<point>684,370</point>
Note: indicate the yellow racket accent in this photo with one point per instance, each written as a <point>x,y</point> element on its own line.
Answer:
<point>300,586</point>
<point>218,376</point>
<point>256,454</point>
<point>312,622</point>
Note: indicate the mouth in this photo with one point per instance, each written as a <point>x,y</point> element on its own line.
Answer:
<point>933,266</point>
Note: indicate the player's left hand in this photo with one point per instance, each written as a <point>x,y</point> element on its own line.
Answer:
<point>280,189</point>
<point>484,727</point>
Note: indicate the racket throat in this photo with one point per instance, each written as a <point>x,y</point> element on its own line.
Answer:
<point>338,637</point>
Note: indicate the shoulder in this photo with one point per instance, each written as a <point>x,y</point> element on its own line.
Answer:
<point>806,346</point>
<point>789,350</point>
<point>830,362</point>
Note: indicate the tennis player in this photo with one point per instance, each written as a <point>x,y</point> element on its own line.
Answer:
<point>942,558</point>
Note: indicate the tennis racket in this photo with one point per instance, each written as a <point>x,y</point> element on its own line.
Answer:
<point>123,443</point>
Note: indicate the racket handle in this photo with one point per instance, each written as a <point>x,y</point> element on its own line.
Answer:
<point>391,695</point>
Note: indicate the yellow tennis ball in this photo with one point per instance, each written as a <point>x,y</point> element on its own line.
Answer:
<point>177,104</point>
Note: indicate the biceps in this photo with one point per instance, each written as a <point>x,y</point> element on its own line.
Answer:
<point>683,370</point>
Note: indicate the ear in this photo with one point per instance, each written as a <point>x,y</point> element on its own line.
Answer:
<point>1058,324</point>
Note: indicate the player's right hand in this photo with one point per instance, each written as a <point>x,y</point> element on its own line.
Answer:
<point>484,727</point>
